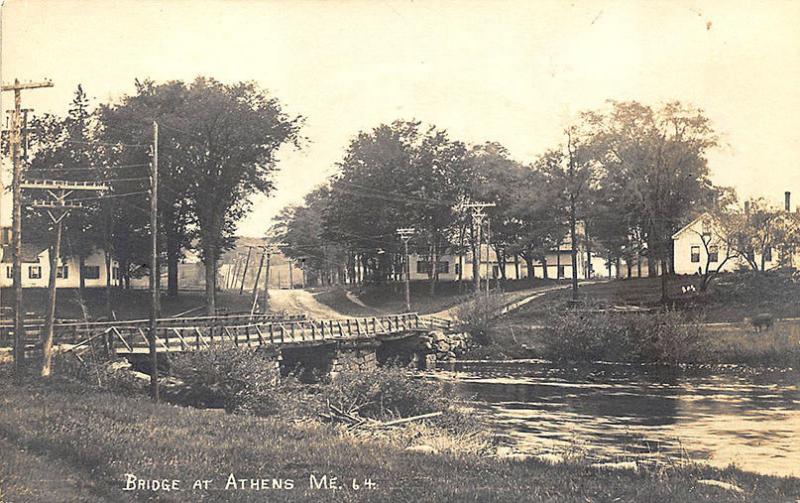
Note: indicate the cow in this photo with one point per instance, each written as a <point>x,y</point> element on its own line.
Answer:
<point>762,321</point>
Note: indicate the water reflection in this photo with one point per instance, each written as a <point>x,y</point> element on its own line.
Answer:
<point>721,414</point>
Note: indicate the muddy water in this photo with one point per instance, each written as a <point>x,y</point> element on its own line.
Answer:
<point>613,412</point>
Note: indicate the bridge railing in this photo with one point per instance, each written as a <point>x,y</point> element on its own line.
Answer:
<point>182,338</point>
<point>74,331</point>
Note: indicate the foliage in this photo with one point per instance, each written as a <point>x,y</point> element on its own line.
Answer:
<point>239,380</point>
<point>476,316</point>
<point>387,392</point>
<point>654,165</point>
<point>666,337</point>
<point>96,372</point>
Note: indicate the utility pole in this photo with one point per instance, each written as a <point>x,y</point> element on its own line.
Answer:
<point>19,325</point>
<point>246,264</point>
<point>405,235</point>
<point>488,255</point>
<point>478,215</point>
<point>269,249</point>
<point>154,270</point>
<point>255,283</point>
<point>57,207</point>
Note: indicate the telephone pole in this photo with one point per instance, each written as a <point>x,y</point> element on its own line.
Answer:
<point>246,265</point>
<point>405,235</point>
<point>16,140</point>
<point>154,270</point>
<point>57,207</point>
<point>255,283</point>
<point>478,215</point>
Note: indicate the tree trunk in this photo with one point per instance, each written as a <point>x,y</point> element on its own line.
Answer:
<point>630,268</point>
<point>545,273</point>
<point>516,266</point>
<point>573,250</point>
<point>173,257</point>
<point>81,267</point>
<point>664,274</point>
<point>588,254</point>
<point>109,267</point>
<point>210,263</point>
<point>434,268</point>
<point>47,339</point>
<point>529,265</point>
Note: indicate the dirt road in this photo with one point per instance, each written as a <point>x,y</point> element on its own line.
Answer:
<point>300,302</point>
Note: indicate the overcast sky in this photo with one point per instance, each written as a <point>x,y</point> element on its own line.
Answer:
<point>514,72</point>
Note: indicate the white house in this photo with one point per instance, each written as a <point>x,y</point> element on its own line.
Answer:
<point>36,269</point>
<point>700,242</point>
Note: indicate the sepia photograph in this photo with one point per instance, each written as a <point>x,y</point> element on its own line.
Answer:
<point>400,251</point>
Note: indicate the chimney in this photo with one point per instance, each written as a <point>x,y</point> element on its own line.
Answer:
<point>788,200</point>
<point>747,207</point>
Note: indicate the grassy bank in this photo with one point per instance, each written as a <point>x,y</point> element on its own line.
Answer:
<point>731,298</point>
<point>64,443</point>
<point>127,304</point>
<point>722,315</point>
<point>390,297</point>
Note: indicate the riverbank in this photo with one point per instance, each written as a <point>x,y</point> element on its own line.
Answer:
<point>85,451</point>
<point>721,321</point>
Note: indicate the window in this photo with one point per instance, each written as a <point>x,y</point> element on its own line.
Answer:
<point>495,272</point>
<point>34,272</point>
<point>62,272</point>
<point>458,268</point>
<point>424,267</point>
<point>9,272</point>
<point>768,254</point>
<point>695,254</point>
<point>91,272</point>
<point>713,253</point>
<point>115,273</point>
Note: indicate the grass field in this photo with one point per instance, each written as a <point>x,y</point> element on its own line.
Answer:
<point>67,443</point>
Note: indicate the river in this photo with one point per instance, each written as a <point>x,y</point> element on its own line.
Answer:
<point>612,412</point>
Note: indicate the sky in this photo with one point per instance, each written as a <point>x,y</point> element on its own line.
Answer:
<point>515,72</point>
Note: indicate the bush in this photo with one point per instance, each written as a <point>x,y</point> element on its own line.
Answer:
<point>477,316</point>
<point>99,373</point>
<point>667,337</point>
<point>387,393</point>
<point>241,380</point>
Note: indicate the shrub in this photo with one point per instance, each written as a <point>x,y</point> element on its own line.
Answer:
<point>667,336</point>
<point>99,373</point>
<point>477,315</point>
<point>241,380</point>
<point>386,393</point>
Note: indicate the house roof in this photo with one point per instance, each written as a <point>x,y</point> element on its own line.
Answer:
<point>691,224</point>
<point>30,253</point>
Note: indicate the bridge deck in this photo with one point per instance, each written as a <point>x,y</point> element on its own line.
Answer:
<point>131,337</point>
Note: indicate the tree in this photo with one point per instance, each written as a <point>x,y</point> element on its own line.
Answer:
<point>301,228</point>
<point>233,136</point>
<point>762,230</point>
<point>571,171</point>
<point>130,122</point>
<point>658,159</point>
<point>397,175</point>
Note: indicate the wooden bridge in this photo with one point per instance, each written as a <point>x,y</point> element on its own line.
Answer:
<point>187,334</point>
